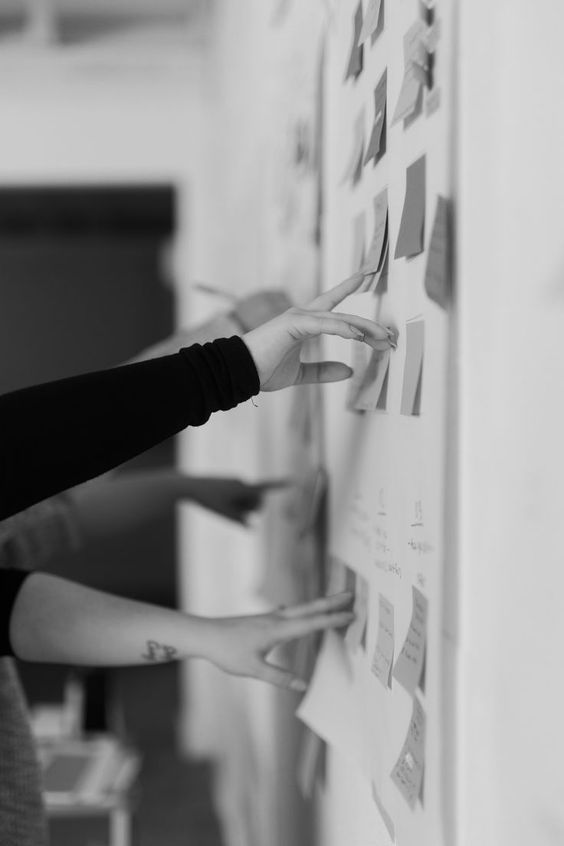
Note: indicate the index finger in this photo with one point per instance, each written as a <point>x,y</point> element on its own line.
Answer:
<point>274,484</point>
<point>328,300</point>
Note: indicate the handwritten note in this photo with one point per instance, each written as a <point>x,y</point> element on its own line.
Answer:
<point>411,236</point>
<point>356,55</point>
<point>437,273</point>
<point>407,773</point>
<point>383,659</point>
<point>410,666</point>
<point>371,20</point>
<point>413,370</point>
<point>377,143</point>
<point>353,170</point>
<point>356,632</point>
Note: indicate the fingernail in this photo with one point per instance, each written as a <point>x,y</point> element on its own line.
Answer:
<point>298,685</point>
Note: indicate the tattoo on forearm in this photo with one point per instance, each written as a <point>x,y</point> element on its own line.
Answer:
<point>159,652</point>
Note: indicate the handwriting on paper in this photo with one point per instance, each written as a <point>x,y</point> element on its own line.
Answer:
<point>409,669</point>
<point>383,659</point>
<point>407,773</point>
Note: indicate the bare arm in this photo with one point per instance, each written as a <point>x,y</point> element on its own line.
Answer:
<point>54,620</point>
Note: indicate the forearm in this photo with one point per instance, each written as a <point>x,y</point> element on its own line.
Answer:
<point>58,621</point>
<point>219,326</point>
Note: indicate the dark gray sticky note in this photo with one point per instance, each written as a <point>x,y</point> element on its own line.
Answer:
<point>407,773</point>
<point>411,237</point>
<point>371,21</point>
<point>377,143</point>
<point>376,250</point>
<point>413,370</point>
<point>438,270</point>
<point>408,670</point>
<point>356,56</point>
<point>383,659</point>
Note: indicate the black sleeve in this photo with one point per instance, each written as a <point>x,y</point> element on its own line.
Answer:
<point>59,434</point>
<point>10,584</point>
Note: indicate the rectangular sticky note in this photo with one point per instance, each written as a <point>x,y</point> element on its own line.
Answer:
<point>371,20</point>
<point>375,255</point>
<point>355,61</point>
<point>358,242</point>
<point>411,236</point>
<point>386,818</point>
<point>383,659</point>
<point>407,773</point>
<point>356,632</point>
<point>370,393</point>
<point>377,143</point>
<point>437,273</point>
<point>413,369</point>
<point>353,170</point>
<point>410,666</point>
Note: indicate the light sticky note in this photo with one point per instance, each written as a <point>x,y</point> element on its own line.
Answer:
<point>413,369</point>
<point>409,669</point>
<point>358,242</point>
<point>355,62</point>
<point>371,391</point>
<point>407,773</point>
<point>386,818</point>
<point>411,236</point>
<point>353,170</point>
<point>383,659</point>
<point>437,273</point>
<point>356,632</point>
<point>410,98</point>
<point>376,250</point>
<point>371,20</point>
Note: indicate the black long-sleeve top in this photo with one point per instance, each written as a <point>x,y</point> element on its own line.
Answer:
<point>57,435</point>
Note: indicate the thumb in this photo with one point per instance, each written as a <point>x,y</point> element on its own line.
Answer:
<point>323,371</point>
<point>280,677</point>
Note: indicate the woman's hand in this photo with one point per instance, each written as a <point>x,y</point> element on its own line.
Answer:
<point>275,346</point>
<point>232,498</point>
<point>241,645</point>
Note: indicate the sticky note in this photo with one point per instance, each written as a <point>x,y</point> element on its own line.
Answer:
<point>355,62</point>
<point>437,272</point>
<point>411,236</point>
<point>407,773</point>
<point>413,369</point>
<point>376,250</point>
<point>410,98</point>
<point>410,666</point>
<point>371,20</point>
<point>372,388</point>
<point>383,659</point>
<point>386,818</point>
<point>353,170</point>
<point>377,143</point>
<point>356,632</point>
<point>359,242</point>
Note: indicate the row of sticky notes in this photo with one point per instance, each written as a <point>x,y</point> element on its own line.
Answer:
<point>408,670</point>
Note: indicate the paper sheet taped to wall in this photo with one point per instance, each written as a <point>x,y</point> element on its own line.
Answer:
<point>437,273</point>
<point>383,659</point>
<point>413,370</point>
<point>371,20</point>
<point>378,138</point>
<point>410,666</point>
<point>355,62</point>
<point>407,773</point>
